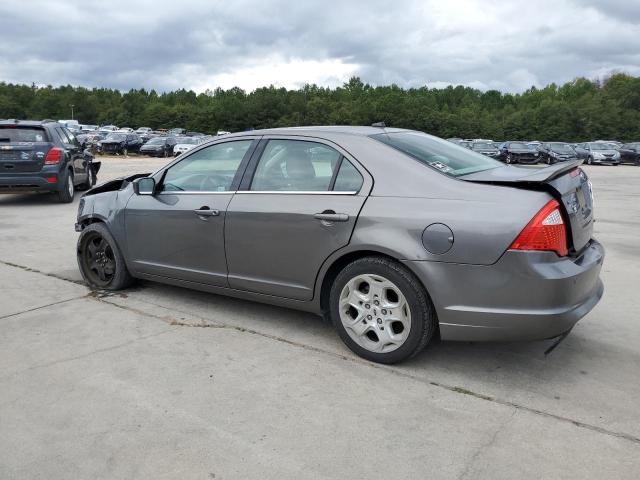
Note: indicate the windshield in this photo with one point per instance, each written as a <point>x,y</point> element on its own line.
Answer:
<point>522,146</point>
<point>116,136</point>
<point>561,147</point>
<point>602,146</point>
<point>22,134</point>
<point>438,154</point>
<point>156,141</point>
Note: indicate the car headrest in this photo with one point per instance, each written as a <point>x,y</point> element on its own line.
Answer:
<point>298,165</point>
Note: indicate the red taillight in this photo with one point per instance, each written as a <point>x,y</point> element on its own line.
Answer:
<point>53,156</point>
<point>546,231</point>
<point>52,179</point>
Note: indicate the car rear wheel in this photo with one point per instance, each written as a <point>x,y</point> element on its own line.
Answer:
<point>101,264</point>
<point>91,179</point>
<point>509,159</point>
<point>589,161</point>
<point>381,311</point>
<point>67,189</point>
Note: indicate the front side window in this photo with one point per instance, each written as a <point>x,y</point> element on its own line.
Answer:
<point>438,154</point>
<point>211,169</point>
<point>295,166</point>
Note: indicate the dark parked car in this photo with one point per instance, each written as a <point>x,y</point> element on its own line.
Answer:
<point>121,143</point>
<point>598,153</point>
<point>630,153</point>
<point>394,235</point>
<point>486,148</point>
<point>159,147</point>
<point>553,152</point>
<point>44,156</point>
<point>518,152</point>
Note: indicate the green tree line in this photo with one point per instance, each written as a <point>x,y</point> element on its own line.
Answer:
<point>576,111</point>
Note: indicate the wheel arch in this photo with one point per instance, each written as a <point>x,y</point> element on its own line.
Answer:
<point>334,265</point>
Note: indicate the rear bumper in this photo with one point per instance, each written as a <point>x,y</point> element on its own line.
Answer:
<point>523,296</point>
<point>28,183</point>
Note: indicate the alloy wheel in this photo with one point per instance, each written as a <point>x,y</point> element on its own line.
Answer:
<point>99,260</point>
<point>375,313</point>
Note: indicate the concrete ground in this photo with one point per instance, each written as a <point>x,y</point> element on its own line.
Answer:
<point>162,382</point>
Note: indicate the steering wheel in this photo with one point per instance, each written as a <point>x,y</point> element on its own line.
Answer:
<point>211,182</point>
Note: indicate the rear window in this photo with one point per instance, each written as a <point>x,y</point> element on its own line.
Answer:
<point>438,154</point>
<point>22,134</point>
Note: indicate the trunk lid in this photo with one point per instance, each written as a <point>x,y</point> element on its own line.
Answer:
<point>22,149</point>
<point>22,158</point>
<point>567,183</point>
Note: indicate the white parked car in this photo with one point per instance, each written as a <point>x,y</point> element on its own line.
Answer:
<point>143,130</point>
<point>108,128</point>
<point>185,144</point>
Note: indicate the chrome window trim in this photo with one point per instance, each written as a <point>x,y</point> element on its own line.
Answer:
<point>295,192</point>
<point>196,192</point>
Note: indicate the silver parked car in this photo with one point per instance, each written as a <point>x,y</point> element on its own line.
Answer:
<point>394,235</point>
<point>598,153</point>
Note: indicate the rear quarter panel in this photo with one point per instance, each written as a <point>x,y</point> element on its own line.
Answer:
<point>483,228</point>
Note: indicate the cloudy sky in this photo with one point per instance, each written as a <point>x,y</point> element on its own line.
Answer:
<point>507,45</point>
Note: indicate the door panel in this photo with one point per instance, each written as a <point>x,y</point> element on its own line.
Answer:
<point>298,203</point>
<point>166,237</point>
<point>179,231</point>
<point>276,246</point>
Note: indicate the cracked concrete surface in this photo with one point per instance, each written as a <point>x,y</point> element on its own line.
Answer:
<point>120,386</point>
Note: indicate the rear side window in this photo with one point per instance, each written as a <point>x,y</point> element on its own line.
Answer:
<point>443,156</point>
<point>22,134</point>
<point>295,166</point>
<point>348,178</point>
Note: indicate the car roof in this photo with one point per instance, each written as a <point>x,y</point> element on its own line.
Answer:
<point>27,123</point>
<point>321,130</point>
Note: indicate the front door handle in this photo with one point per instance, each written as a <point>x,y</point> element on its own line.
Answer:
<point>206,212</point>
<point>331,216</point>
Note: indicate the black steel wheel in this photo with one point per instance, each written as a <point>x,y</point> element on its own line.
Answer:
<point>100,261</point>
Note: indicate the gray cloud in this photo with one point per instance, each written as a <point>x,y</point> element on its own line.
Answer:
<point>203,44</point>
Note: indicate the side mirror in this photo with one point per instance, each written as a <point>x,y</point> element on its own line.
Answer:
<point>144,186</point>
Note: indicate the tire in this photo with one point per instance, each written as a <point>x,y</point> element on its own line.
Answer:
<point>165,154</point>
<point>67,190</point>
<point>125,151</point>
<point>589,161</point>
<point>101,264</point>
<point>509,160</point>
<point>91,179</point>
<point>370,319</point>
<point>549,162</point>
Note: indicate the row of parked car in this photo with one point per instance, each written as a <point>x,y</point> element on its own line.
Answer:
<point>122,141</point>
<point>601,152</point>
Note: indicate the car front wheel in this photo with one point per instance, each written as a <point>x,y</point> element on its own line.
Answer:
<point>101,264</point>
<point>381,311</point>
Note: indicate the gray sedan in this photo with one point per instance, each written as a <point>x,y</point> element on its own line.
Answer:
<point>395,236</point>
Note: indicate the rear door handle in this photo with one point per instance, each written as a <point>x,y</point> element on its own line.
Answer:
<point>331,216</point>
<point>206,212</point>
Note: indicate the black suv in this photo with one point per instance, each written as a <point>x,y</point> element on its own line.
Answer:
<point>43,156</point>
